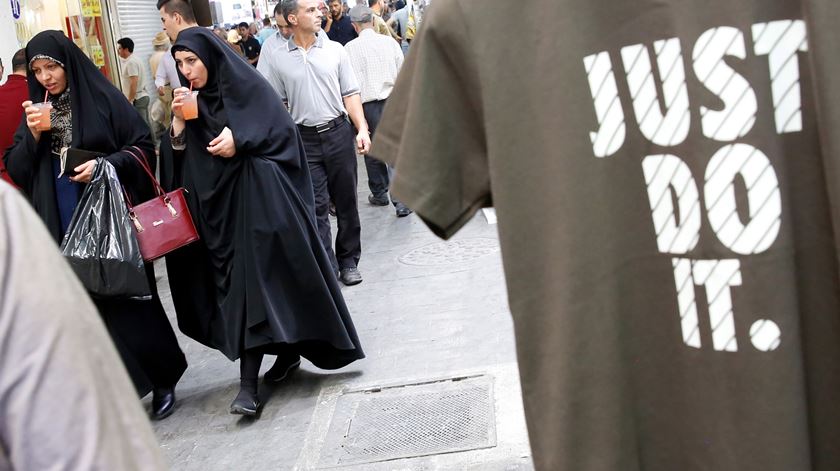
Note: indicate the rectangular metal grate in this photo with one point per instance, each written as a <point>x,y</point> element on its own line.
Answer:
<point>410,421</point>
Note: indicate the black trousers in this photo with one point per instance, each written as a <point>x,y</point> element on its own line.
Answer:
<point>379,173</point>
<point>332,164</point>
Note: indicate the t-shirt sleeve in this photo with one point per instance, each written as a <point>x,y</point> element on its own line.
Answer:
<point>132,69</point>
<point>346,77</point>
<point>432,127</point>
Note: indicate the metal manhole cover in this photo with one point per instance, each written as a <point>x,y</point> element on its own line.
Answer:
<point>411,421</point>
<point>456,251</point>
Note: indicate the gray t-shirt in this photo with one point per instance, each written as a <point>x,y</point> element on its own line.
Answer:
<point>666,184</point>
<point>66,402</point>
<point>313,83</point>
<point>133,67</point>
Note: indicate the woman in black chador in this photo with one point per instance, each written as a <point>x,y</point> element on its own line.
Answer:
<point>259,281</point>
<point>91,114</point>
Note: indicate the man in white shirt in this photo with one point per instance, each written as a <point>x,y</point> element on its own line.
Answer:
<point>133,78</point>
<point>176,16</point>
<point>376,59</point>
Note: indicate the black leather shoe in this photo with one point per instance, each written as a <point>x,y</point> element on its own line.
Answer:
<point>282,368</point>
<point>245,403</point>
<point>403,211</point>
<point>350,276</point>
<point>163,403</point>
<point>378,200</point>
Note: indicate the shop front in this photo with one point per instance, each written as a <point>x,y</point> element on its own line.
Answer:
<point>84,21</point>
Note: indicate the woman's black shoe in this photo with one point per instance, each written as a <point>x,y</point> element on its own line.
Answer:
<point>282,367</point>
<point>246,403</point>
<point>163,402</point>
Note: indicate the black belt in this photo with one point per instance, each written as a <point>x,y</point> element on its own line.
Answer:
<point>324,127</point>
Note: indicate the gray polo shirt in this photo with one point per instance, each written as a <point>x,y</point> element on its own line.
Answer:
<point>312,82</point>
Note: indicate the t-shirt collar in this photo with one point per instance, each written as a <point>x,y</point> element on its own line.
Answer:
<point>319,42</point>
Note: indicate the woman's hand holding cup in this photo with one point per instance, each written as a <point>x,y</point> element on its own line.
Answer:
<point>178,96</point>
<point>33,119</point>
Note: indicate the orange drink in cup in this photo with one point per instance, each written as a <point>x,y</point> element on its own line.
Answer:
<point>190,105</point>
<point>44,108</point>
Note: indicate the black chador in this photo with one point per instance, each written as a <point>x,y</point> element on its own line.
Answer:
<point>259,281</point>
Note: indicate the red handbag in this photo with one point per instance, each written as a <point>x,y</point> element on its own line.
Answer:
<point>163,223</point>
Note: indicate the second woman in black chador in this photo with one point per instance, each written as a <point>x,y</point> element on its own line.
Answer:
<point>259,281</point>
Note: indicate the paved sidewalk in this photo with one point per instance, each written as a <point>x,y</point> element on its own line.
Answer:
<point>427,312</point>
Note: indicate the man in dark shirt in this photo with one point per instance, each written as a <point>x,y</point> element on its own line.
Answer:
<point>250,44</point>
<point>12,94</point>
<point>338,27</point>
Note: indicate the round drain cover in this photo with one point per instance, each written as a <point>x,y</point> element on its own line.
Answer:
<point>456,251</point>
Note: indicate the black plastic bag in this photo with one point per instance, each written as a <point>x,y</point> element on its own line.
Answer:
<point>100,243</point>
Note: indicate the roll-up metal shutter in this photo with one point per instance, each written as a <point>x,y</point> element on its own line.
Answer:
<point>140,21</point>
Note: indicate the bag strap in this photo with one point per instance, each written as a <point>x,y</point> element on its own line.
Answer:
<point>145,165</point>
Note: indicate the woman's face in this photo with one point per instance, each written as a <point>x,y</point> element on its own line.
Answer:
<point>50,75</point>
<point>191,66</point>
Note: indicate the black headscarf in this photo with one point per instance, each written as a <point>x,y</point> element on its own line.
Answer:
<point>98,107</point>
<point>233,92</point>
<point>102,121</point>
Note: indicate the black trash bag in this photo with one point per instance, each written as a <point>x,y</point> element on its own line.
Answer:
<point>100,242</point>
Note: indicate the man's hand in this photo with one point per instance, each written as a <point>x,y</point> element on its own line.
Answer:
<point>160,91</point>
<point>85,172</point>
<point>223,145</point>
<point>363,142</point>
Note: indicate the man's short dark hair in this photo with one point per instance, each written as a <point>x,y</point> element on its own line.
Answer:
<point>278,10</point>
<point>287,7</point>
<point>181,7</point>
<point>126,43</point>
<point>243,25</point>
<point>19,61</point>
<point>266,21</point>
<point>373,3</point>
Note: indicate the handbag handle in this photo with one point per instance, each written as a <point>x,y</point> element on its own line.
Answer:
<point>158,189</point>
<point>145,165</point>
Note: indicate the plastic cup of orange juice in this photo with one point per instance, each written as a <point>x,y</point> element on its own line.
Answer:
<point>190,105</point>
<point>44,108</point>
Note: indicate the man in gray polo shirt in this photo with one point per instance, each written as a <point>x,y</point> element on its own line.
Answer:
<point>315,80</point>
<point>278,40</point>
